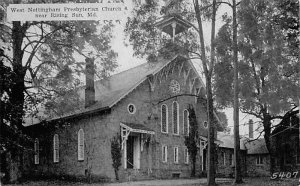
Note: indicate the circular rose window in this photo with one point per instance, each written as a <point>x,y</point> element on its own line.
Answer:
<point>174,87</point>
<point>131,108</point>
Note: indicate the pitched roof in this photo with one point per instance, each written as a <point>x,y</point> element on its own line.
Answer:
<point>135,127</point>
<point>257,147</point>
<point>111,90</point>
<point>227,141</point>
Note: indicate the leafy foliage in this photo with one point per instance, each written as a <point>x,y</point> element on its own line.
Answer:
<point>46,59</point>
<point>149,41</point>
<point>5,83</point>
<point>223,120</point>
<point>267,72</point>
<point>287,18</point>
<point>116,154</point>
<point>40,61</point>
<point>268,66</point>
<point>192,139</point>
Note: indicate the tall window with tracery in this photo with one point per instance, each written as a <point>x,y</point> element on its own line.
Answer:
<point>186,122</point>
<point>80,145</point>
<point>175,117</point>
<point>164,118</point>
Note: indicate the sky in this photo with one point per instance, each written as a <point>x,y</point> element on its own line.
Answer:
<point>126,60</point>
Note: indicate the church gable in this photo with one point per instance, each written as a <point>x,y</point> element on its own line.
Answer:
<point>178,77</point>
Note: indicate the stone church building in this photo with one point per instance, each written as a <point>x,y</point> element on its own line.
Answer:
<point>145,106</point>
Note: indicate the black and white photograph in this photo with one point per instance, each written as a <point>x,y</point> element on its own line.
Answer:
<point>149,93</point>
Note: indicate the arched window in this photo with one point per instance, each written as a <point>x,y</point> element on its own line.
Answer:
<point>175,109</point>
<point>55,148</point>
<point>186,123</point>
<point>164,118</point>
<point>36,152</point>
<point>80,145</point>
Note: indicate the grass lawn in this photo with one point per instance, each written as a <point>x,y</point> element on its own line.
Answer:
<point>247,182</point>
<point>266,182</point>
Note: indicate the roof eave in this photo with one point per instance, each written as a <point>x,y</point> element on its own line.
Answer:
<point>74,115</point>
<point>142,80</point>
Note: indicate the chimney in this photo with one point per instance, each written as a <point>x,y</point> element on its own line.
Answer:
<point>89,82</point>
<point>250,128</point>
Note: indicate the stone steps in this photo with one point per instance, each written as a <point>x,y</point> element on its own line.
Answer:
<point>137,175</point>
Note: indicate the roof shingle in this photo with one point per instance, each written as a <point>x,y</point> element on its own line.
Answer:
<point>110,90</point>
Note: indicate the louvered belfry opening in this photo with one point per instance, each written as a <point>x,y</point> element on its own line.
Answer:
<point>172,23</point>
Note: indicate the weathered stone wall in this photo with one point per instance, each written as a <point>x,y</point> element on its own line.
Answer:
<point>100,129</point>
<point>254,170</point>
<point>97,160</point>
<point>148,104</point>
<point>227,169</point>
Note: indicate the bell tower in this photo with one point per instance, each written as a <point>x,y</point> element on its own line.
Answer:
<point>172,23</point>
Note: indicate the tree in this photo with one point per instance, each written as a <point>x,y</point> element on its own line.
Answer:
<point>268,72</point>
<point>116,154</point>
<point>286,17</point>
<point>5,83</point>
<point>238,174</point>
<point>148,41</point>
<point>191,141</point>
<point>42,56</point>
<point>223,121</point>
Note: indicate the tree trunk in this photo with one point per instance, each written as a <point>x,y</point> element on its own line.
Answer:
<point>211,135</point>
<point>193,173</point>
<point>117,174</point>
<point>17,92</point>
<point>211,124</point>
<point>267,129</point>
<point>238,175</point>
<point>208,69</point>
<point>16,97</point>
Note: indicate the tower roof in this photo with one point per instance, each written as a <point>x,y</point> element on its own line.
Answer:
<point>166,24</point>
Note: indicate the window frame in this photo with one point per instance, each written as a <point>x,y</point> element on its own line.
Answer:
<point>231,159</point>
<point>197,91</point>
<point>134,108</point>
<point>80,145</point>
<point>176,155</point>
<point>205,124</point>
<point>186,156</point>
<point>36,151</point>
<point>167,118</point>
<point>55,148</point>
<point>259,160</point>
<point>164,153</point>
<point>224,158</point>
<point>177,117</point>
<point>186,133</point>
